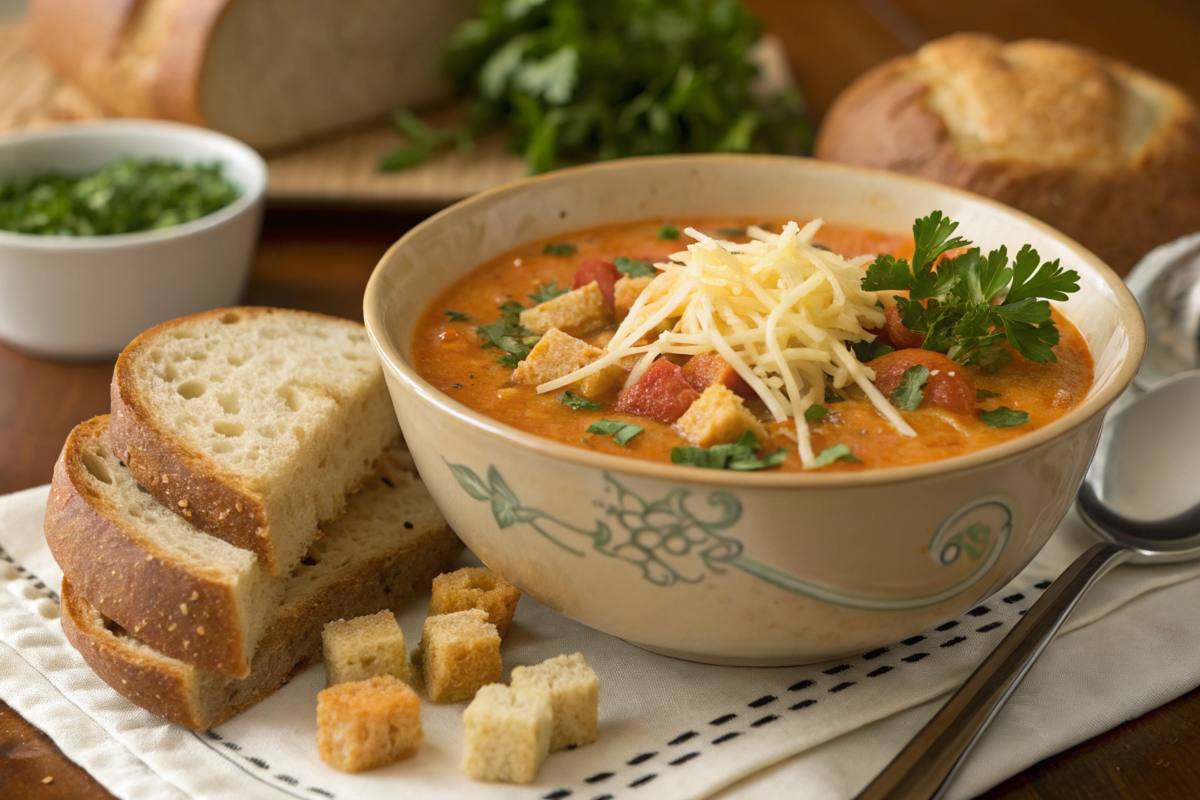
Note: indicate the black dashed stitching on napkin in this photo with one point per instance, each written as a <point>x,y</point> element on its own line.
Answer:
<point>1043,585</point>
<point>910,641</point>
<point>875,673</point>
<point>954,641</point>
<point>991,626</point>
<point>722,719</point>
<point>795,687</point>
<point>758,723</point>
<point>34,580</point>
<point>598,777</point>
<point>641,758</point>
<point>802,705</point>
<point>258,762</point>
<point>945,626</point>
<point>288,779</point>
<point>642,781</point>
<point>683,759</point>
<point>216,737</point>
<point>762,701</point>
<point>874,654</point>
<point>726,737</point>
<point>234,747</point>
<point>836,670</point>
<point>557,794</point>
<point>603,797</point>
<point>322,792</point>
<point>979,611</point>
<point>841,686</point>
<point>1014,598</point>
<point>683,737</point>
<point>914,658</point>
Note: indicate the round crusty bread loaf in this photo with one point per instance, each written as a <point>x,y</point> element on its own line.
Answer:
<point>1106,153</point>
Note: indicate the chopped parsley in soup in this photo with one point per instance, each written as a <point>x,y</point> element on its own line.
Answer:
<point>730,344</point>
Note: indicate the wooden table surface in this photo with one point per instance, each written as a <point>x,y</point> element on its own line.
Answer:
<point>321,261</point>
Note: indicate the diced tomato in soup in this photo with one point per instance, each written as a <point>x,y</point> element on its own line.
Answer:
<point>949,385</point>
<point>662,393</point>
<point>602,272</point>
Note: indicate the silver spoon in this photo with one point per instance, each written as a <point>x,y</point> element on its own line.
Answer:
<point>1141,497</point>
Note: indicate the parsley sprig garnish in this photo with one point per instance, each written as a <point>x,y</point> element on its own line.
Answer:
<point>548,292</point>
<point>738,456</point>
<point>973,304</point>
<point>579,403</point>
<point>909,394</point>
<point>508,334</point>
<point>622,432</point>
<point>634,268</point>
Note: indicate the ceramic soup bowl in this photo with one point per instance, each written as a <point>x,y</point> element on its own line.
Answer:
<point>723,567</point>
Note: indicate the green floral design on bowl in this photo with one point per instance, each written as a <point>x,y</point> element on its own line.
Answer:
<point>671,544</point>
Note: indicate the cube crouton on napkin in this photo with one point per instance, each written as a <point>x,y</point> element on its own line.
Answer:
<point>574,691</point>
<point>476,587</point>
<point>367,724</point>
<point>460,653</point>
<point>506,734</point>
<point>364,647</point>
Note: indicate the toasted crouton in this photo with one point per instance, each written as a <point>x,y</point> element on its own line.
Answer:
<point>366,724</point>
<point>626,292</point>
<point>718,417</point>
<point>475,587</point>
<point>364,647</point>
<point>557,354</point>
<point>506,734</point>
<point>574,697</point>
<point>576,313</point>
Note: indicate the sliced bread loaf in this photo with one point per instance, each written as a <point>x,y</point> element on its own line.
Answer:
<point>349,572</point>
<point>252,423</point>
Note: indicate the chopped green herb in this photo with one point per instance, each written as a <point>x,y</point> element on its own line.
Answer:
<point>579,403</point>
<point>634,268</point>
<point>731,231</point>
<point>955,306</point>
<point>668,231</point>
<point>832,396</point>
<point>127,195</point>
<point>457,316</point>
<point>815,413</point>
<point>508,334</point>
<point>548,292</point>
<point>984,394</point>
<point>739,456</point>
<point>908,395</point>
<point>1004,417</point>
<point>621,432</point>
<point>837,452</point>
<point>869,351</point>
<point>560,249</point>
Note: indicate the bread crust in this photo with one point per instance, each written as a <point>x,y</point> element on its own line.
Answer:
<point>181,609</point>
<point>115,51</point>
<point>191,484</point>
<point>197,699</point>
<point>1118,210</point>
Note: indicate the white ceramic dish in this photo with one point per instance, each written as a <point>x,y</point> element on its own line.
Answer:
<point>748,568</point>
<point>87,297</point>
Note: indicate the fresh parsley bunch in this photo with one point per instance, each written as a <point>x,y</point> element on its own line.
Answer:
<point>971,305</point>
<point>577,80</point>
<point>509,335</point>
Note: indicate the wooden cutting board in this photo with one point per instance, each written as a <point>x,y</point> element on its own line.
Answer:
<point>340,171</point>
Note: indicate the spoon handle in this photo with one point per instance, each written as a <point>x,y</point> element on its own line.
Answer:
<point>926,764</point>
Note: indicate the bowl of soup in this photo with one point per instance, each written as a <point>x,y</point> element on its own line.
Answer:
<point>695,402</point>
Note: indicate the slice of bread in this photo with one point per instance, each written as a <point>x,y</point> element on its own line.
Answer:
<point>252,423</point>
<point>352,574</point>
<point>185,593</point>
<point>270,72</point>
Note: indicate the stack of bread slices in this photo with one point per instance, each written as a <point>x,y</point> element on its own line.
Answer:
<point>248,487</point>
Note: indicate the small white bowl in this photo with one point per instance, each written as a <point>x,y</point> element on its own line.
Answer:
<point>86,297</point>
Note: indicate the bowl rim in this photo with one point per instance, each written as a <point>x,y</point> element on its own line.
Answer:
<point>251,195</point>
<point>1128,312</point>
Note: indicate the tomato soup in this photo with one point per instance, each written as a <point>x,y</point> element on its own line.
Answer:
<point>452,354</point>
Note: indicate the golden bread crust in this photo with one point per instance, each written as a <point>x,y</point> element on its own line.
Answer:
<point>1105,153</point>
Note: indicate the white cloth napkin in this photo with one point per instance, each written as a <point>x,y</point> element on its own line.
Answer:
<point>668,729</point>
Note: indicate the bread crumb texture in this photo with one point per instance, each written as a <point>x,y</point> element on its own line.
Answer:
<point>460,653</point>
<point>476,587</point>
<point>577,313</point>
<point>364,647</point>
<point>718,417</point>
<point>506,734</point>
<point>574,692</point>
<point>367,724</point>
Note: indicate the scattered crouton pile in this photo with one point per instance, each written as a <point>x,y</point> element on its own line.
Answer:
<point>369,714</point>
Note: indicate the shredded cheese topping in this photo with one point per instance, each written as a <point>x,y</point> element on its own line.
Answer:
<point>778,309</point>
